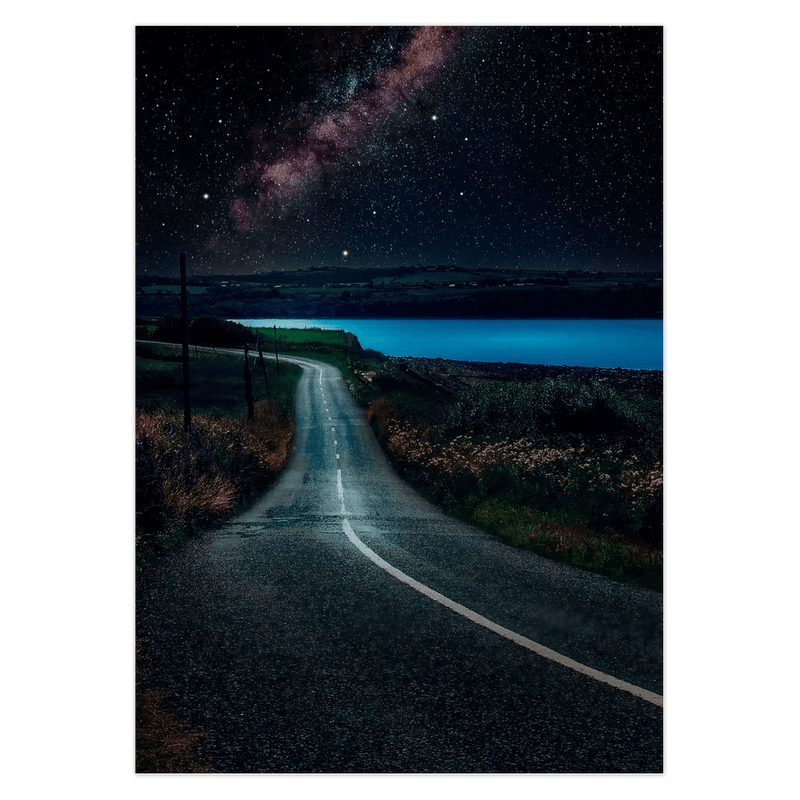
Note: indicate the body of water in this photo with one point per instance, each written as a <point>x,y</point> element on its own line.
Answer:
<point>626,343</point>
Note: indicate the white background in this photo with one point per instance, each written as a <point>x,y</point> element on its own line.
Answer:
<point>67,404</point>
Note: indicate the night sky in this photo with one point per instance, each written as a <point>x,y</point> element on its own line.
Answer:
<point>274,147</point>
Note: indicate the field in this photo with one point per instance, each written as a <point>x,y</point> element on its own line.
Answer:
<point>173,288</point>
<point>312,339</point>
<point>216,381</point>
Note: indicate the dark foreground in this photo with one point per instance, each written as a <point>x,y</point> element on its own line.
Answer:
<point>295,653</point>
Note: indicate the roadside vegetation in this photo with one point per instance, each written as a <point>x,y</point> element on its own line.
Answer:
<point>188,480</point>
<point>569,468</point>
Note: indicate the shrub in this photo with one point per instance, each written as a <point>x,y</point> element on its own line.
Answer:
<point>185,480</point>
<point>379,412</point>
<point>208,331</point>
<point>540,408</point>
<point>169,329</point>
<point>217,332</point>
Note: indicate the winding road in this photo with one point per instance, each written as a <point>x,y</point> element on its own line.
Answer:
<point>344,624</point>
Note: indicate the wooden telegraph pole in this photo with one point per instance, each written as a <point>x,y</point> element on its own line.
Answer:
<point>187,411</point>
<point>248,382</point>
<point>263,363</point>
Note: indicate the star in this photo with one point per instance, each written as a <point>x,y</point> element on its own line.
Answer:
<point>338,133</point>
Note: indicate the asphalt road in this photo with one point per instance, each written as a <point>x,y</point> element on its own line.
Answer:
<point>280,636</point>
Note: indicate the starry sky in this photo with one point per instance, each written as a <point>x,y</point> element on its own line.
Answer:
<point>262,148</point>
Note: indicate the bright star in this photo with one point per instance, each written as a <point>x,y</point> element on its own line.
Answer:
<point>434,117</point>
<point>345,253</point>
<point>205,197</point>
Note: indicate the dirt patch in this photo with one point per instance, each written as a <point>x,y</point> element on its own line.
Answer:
<point>163,742</point>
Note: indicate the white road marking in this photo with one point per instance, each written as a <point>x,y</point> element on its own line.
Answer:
<point>478,619</point>
<point>535,647</point>
<point>339,488</point>
<point>529,644</point>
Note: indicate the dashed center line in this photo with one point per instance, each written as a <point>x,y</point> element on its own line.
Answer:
<point>339,488</point>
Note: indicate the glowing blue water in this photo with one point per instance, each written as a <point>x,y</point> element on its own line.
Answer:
<point>627,343</point>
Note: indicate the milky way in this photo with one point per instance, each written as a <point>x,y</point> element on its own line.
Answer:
<point>281,180</point>
<point>270,148</point>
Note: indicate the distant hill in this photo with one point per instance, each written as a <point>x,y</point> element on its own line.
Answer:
<point>440,291</point>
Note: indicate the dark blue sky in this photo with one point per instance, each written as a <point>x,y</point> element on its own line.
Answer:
<point>261,148</point>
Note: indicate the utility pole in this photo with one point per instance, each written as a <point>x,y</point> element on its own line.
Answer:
<point>187,411</point>
<point>248,382</point>
<point>275,333</point>
<point>263,363</point>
